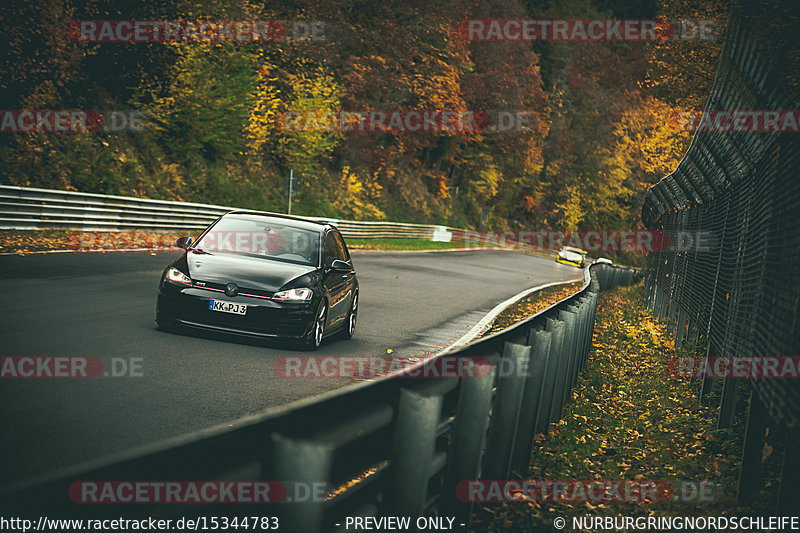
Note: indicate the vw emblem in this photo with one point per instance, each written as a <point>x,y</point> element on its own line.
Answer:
<point>231,289</point>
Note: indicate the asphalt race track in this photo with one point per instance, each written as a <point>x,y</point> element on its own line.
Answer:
<point>103,305</point>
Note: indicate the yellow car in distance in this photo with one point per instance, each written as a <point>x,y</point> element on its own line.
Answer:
<point>572,256</point>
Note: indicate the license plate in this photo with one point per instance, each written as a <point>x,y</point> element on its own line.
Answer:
<point>227,307</point>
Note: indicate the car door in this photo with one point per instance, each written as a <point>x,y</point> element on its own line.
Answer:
<point>335,282</point>
<point>349,277</point>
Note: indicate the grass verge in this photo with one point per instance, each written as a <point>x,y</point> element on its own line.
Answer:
<point>532,304</point>
<point>401,244</point>
<point>27,241</point>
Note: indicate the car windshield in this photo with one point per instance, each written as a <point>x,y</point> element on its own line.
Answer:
<point>262,237</point>
<point>572,256</point>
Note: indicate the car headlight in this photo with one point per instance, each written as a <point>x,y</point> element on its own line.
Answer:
<point>176,276</point>
<point>294,295</point>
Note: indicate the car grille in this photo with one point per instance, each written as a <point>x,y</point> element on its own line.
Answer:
<point>264,320</point>
<point>216,287</point>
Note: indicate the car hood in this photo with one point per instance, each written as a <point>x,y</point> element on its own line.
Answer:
<point>570,256</point>
<point>245,271</point>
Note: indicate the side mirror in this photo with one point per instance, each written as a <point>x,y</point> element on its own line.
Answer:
<point>183,242</point>
<point>341,266</point>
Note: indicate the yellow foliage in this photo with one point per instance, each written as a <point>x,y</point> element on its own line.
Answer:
<point>355,197</point>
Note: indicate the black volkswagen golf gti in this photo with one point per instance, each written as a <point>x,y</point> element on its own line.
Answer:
<point>269,276</point>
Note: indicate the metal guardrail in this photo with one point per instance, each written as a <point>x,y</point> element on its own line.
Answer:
<point>421,436</point>
<point>31,208</point>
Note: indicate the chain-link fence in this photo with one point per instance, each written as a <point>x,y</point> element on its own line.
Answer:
<point>732,272</point>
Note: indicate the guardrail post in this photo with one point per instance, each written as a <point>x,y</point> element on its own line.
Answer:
<point>584,334</point>
<point>411,457</point>
<point>586,330</point>
<point>539,341</point>
<point>506,411</point>
<point>570,319</point>
<point>550,390</point>
<point>579,309</point>
<point>602,276</point>
<point>469,436</point>
<point>307,462</point>
<point>752,447</point>
<point>595,297</point>
<point>593,319</point>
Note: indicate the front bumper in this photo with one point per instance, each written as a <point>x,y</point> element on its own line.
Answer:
<point>188,306</point>
<point>563,261</point>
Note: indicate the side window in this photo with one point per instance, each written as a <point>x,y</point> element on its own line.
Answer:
<point>341,249</point>
<point>330,250</point>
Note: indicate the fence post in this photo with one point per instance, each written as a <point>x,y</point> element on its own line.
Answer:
<point>752,447</point>
<point>650,289</point>
<point>692,329</point>
<point>680,329</point>
<point>665,303</point>
<point>789,493</point>
<point>550,390</point>
<point>673,304</point>
<point>506,411</point>
<point>708,381</point>
<point>469,436</point>
<point>656,300</point>
<point>539,341</point>
<point>727,407</point>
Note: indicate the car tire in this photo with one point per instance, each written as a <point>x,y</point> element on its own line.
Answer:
<point>317,333</point>
<point>350,326</point>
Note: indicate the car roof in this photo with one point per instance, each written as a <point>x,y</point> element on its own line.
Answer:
<point>302,223</point>
<point>573,249</point>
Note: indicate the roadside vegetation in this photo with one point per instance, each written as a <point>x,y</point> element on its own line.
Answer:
<point>605,115</point>
<point>630,420</point>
